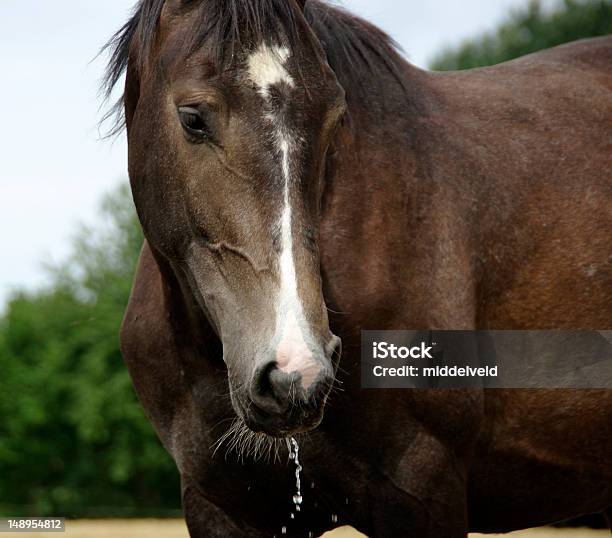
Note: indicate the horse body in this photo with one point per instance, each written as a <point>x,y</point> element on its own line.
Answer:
<point>490,204</point>
<point>506,215</point>
<point>452,201</point>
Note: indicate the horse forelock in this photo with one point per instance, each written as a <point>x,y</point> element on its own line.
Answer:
<point>352,45</point>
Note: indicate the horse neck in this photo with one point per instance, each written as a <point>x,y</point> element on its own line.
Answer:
<point>384,208</point>
<point>376,148</point>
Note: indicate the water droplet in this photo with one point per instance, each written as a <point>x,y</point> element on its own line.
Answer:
<point>294,454</point>
<point>284,530</point>
<point>334,518</point>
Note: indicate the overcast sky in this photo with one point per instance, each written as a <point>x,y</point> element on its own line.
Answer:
<point>53,167</point>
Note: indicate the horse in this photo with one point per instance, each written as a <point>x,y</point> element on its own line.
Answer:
<point>298,181</point>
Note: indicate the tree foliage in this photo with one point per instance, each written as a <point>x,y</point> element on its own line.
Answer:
<point>73,437</point>
<point>528,30</point>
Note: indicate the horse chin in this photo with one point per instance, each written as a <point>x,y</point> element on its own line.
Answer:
<point>282,426</point>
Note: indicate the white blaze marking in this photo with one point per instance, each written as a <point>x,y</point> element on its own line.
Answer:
<point>287,265</point>
<point>292,353</point>
<point>266,67</point>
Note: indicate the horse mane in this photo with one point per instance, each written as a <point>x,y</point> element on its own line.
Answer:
<point>352,44</point>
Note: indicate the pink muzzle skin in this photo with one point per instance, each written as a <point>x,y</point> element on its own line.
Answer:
<point>293,354</point>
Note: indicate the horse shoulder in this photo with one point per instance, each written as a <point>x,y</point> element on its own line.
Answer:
<point>142,315</point>
<point>148,346</point>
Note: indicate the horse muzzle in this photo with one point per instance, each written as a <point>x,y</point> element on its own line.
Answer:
<point>288,395</point>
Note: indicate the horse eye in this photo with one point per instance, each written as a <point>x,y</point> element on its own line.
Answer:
<point>193,122</point>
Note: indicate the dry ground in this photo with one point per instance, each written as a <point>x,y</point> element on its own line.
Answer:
<point>176,529</point>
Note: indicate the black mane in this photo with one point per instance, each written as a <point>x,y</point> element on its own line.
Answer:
<point>351,43</point>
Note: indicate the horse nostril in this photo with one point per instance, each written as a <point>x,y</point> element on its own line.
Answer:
<point>270,389</point>
<point>298,386</point>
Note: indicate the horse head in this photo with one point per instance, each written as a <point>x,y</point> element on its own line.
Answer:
<point>230,113</point>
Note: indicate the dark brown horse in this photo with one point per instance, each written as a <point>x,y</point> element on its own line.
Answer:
<point>286,162</point>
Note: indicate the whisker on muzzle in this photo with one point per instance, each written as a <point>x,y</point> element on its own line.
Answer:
<point>246,444</point>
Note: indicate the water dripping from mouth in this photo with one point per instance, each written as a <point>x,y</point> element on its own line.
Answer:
<point>294,454</point>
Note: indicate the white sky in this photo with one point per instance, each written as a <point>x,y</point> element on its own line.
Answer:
<point>53,167</point>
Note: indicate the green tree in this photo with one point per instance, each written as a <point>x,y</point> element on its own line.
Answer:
<point>528,30</point>
<point>73,437</point>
